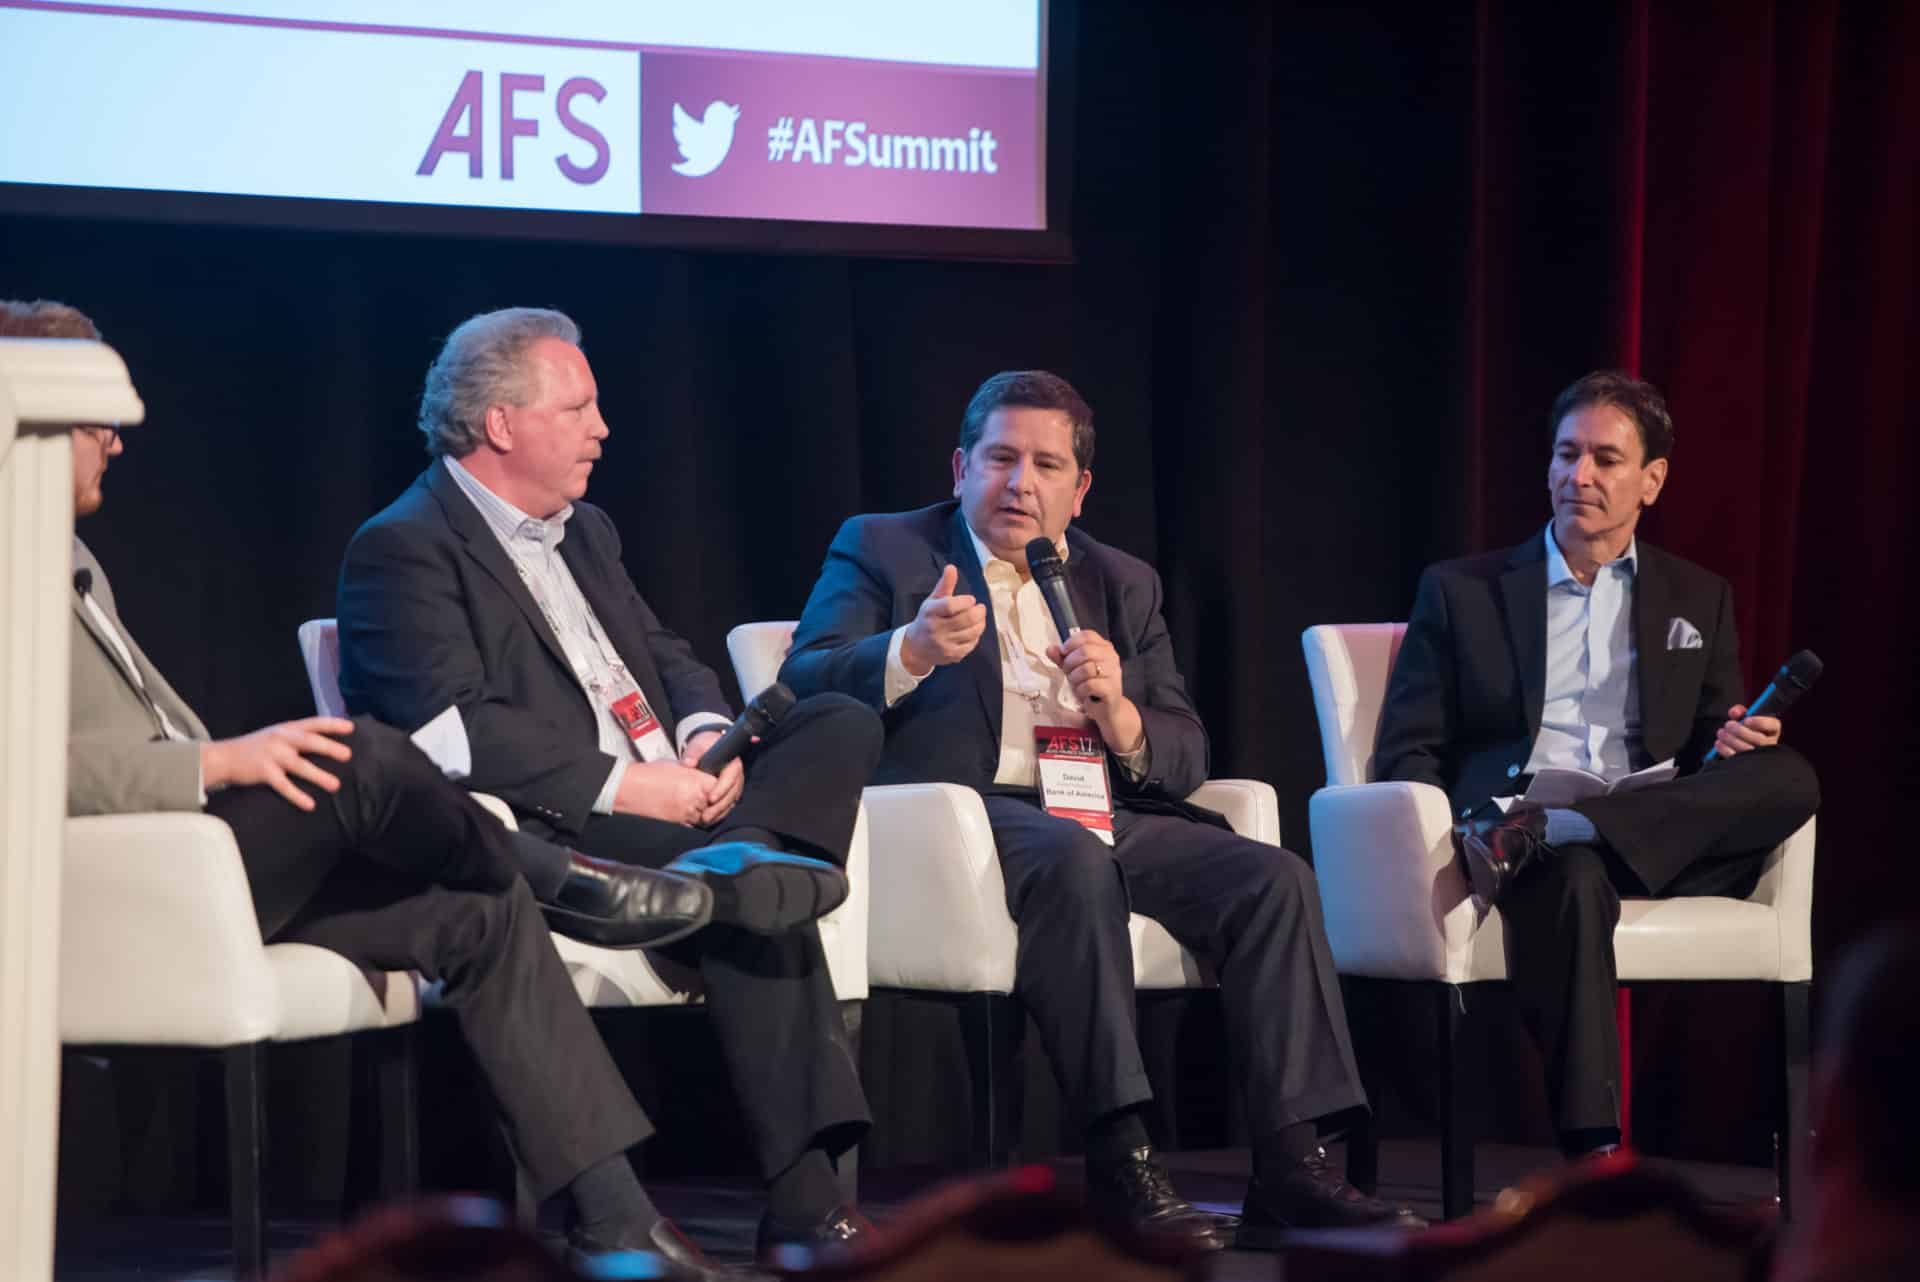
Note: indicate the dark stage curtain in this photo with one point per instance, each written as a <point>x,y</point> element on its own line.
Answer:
<point>1333,261</point>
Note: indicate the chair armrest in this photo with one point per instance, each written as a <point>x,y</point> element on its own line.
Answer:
<point>1250,806</point>
<point>1786,883</point>
<point>843,932</point>
<point>158,941</point>
<point>1396,905</point>
<point>939,908</point>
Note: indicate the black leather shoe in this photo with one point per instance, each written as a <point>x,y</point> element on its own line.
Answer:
<point>1311,1196</point>
<point>763,890</point>
<point>617,906</point>
<point>1497,849</point>
<point>1135,1195</point>
<point>679,1259</point>
<point>779,1247</point>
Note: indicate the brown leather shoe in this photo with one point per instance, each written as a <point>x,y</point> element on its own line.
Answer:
<point>1497,849</point>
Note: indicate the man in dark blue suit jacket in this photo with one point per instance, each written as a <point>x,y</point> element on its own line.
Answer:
<point>932,619</point>
<point>1585,648</point>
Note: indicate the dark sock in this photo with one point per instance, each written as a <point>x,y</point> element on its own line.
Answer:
<point>1114,1136</point>
<point>1579,1143</point>
<point>543,863</point>
<point>805,1193</point>
<point>1282,1150</point>
<point>609,1200</point>
<point>748,832</point>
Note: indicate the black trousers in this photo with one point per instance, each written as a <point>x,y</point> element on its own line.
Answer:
<point>1705,834</point>
<point>771,997</point>
<point>401,870</point>
<point>1250,909</point>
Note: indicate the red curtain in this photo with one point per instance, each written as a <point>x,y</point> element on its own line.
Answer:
<point>1757,209</point>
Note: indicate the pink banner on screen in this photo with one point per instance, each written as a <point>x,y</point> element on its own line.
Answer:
<point>838,140</point>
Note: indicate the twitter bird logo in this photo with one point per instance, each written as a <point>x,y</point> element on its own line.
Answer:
<point>703,142</point>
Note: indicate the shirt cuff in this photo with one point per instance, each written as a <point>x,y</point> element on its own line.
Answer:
<point>603,804</point>
<point>1135,763</point>
<point>694,723</point>
<point>899,683</point>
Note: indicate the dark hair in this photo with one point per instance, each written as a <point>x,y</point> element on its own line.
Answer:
<point>1029,389</point>
<point>1870,1042</point>
<point>44,318</point>
<point>1637,399</point>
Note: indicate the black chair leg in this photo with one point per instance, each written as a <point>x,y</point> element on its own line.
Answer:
<point>1456,1130</point>
<point>1794,1124</point>
<point>1363,1136</point>
<point>987,1028</point>
<point>397,1071</point>
<point>847,1168</point>
<point>246,1157</point>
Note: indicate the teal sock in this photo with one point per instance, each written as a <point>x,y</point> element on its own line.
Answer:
<point>1570,828</point>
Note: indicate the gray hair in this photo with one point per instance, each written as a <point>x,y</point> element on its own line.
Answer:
<point>482,364</point>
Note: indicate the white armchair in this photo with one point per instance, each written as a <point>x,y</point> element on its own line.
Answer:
<point>159,946</point>
<point>939,921</point>
<point>1398,908</point>
<point>614,978</point>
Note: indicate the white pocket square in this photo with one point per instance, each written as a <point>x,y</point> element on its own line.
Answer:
<point>1682,635</point>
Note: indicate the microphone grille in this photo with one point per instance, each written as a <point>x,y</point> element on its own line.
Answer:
<point>1043,559</point>
<point>1804,668</point>
<point>776,700</point>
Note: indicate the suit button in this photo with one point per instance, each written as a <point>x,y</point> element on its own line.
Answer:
<point>1513,772</point>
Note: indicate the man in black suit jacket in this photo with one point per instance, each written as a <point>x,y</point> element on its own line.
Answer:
<point>490,586</point>
<point>1584,648</point>
<point>932,619</point>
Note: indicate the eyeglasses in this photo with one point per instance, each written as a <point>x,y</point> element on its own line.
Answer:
<point>105,433</point>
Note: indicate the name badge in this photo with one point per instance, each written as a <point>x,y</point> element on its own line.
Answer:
<point>1073,777</point>
<point>630,710</point>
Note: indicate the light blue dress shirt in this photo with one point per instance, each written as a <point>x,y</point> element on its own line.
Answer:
<point>1590,709</point>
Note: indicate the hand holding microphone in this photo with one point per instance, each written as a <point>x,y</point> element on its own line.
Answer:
<point>1758,726</point>
<point>945,630</point>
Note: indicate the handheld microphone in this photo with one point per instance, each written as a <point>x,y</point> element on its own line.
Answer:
<point>83,581</point>
<point>1050,572</point>
<point>761,712</point>
<point>1795,678</point>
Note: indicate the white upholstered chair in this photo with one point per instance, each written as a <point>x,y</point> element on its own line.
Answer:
<point>1398,908</point>
<point>608,978</point>
<point>159,947</point>
<point>939,921</point>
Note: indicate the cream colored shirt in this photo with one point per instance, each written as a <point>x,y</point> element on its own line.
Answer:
<point>1034,691</point>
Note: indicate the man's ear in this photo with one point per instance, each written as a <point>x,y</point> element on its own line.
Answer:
<point>959,470</point>
<point>499,429</point>
<point>1653,482</point>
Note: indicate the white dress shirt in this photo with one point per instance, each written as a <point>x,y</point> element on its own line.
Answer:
<point>533,545</point>
<point>1590,708</point>
<point>1034,691</point>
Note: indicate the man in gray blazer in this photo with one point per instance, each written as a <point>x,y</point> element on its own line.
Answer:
<point>353,841</point>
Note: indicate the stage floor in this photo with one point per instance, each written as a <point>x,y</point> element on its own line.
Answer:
<point>721,1215</point>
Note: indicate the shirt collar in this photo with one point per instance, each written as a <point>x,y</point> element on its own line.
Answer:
<point>988,558</point>
<point>505,520</point>
<point>1558,571</point>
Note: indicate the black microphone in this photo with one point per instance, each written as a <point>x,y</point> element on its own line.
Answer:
<point>1050,572</point>
<point>83,581</point>
<point>1795,678</point>
<point>762,711</point>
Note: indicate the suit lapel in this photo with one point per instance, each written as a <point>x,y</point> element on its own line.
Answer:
<point>144,680</point>
<point>1653,606</point>
<point>597,586</point>
<point>1523,596</point>
<point>484,548</point>
<point>1085,588</point>
<point>983,665</point>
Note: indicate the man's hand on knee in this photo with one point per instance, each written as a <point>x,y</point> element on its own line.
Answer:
<point>276,756</point>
